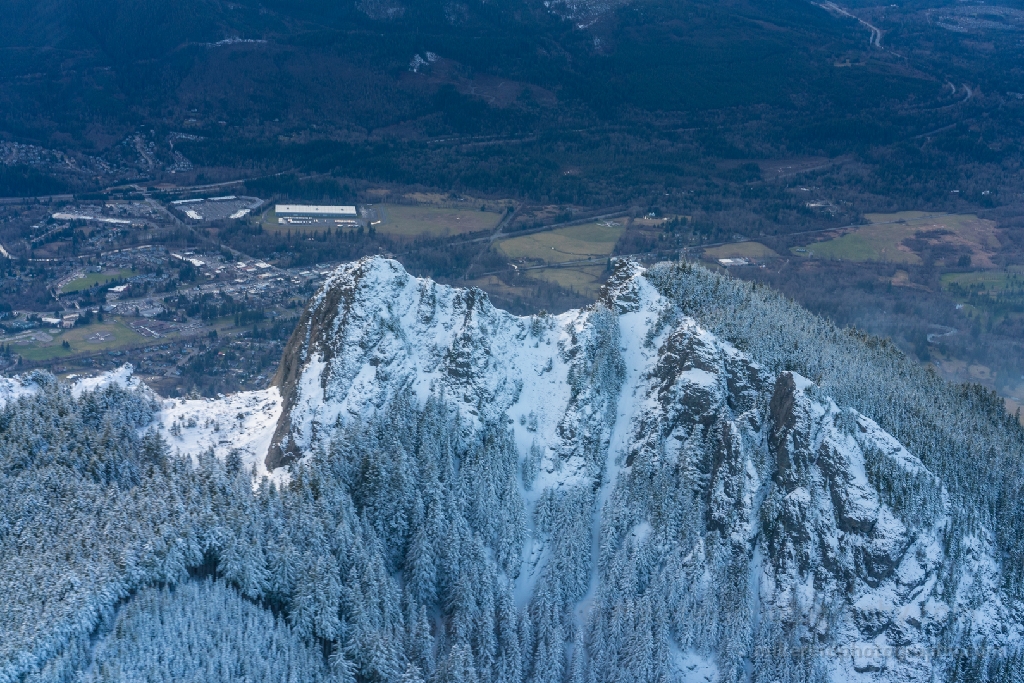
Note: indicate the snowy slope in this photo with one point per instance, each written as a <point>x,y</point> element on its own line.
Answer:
<point>25,385</point>
<point>242,422</point>
<point>611,494</point>
<point>644,415</point>
<point>123,377</point>
<point>11,388</point>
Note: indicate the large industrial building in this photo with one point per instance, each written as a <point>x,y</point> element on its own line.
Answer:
<point>309,213</point>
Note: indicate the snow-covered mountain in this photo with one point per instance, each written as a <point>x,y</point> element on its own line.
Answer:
<point>723,519</point>
<point>693,480</point>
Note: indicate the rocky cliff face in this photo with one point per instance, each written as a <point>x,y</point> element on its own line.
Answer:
<point>687,512</point>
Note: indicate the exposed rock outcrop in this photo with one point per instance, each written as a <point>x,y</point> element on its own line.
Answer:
<point>757,496</point>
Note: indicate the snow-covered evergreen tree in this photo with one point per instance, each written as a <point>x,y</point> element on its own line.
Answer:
<point>693,478</point>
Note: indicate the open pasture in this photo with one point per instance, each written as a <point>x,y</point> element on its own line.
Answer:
<point>900,238</point>
<point>584,280</point>
<point>573,243</point>
<point>413,221</point>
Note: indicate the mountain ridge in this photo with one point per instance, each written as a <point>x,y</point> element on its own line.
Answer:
<point>612,394</point>
<point>648,489</point>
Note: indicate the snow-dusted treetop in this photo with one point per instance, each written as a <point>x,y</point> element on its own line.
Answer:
<point>692,480</point>
<point>837,526</point>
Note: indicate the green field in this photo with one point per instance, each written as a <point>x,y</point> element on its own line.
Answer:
<point>83,340</point>
<point>882,239</point>
<point>91,279</point>
<point>870,243</point>
<point>410,221</point>
<point>574,243</point>
<point>751,250</point>
<point>582,279</point>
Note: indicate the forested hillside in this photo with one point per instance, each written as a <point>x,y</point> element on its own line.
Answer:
<point>690,105</point>
<point>693,478</point>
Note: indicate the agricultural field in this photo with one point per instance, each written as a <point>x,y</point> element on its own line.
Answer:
<point>91,279</point>
<point>992,283</point>
<point>412,221</point>
<point>43,344</point>
<point>493,285</point>
<point>907,236</point>
<point>573,243</point>
<point>585,280</point>
<point>749,250</point>
<point>535,216</point>
<point>1011,389</point>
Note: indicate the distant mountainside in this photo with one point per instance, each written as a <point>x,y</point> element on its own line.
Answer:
<point>174,61</point>
<point>656,102</point>
<point>692,480</point>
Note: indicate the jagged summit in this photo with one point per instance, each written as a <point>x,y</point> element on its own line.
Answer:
<point>767,506</point>
<point>374,329</point>
<point>691,480</point>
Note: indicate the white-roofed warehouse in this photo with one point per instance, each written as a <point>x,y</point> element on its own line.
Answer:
<point>314,211</point>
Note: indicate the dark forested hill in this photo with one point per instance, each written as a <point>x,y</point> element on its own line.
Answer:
<point>580,103</point>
